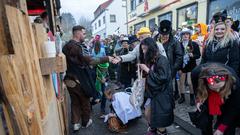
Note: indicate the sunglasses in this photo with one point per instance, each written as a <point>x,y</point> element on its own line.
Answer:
<point>216,79</point>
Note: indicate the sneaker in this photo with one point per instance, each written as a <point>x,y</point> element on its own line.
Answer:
<point>102,116</point>
<point>88,124</point>
<point>95,101</point>
<point>76,126</point>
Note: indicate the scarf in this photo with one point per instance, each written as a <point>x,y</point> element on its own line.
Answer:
<point>214,103</point>
<point>215,45</point>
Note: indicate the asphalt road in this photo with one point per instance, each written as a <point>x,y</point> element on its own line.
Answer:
<point>135,127</point>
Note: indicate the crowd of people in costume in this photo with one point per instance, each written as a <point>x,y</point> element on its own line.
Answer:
<point>204,58</point>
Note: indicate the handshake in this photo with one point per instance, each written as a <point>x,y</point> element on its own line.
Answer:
<point>114,59</point>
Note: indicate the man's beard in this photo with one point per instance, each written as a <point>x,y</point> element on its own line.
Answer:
<point>81,40</point>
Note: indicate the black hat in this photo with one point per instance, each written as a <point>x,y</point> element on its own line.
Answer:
<point>220,15</point>
<point>132,39</point>
<point>165,27</point>
<point>235,25</point>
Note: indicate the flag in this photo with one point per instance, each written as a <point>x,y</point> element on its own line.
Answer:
<point>145,6</point>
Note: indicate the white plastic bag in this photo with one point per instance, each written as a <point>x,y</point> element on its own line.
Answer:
<point>138,89</point>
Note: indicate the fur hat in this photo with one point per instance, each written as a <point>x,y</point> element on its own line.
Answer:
<point>165,27</point>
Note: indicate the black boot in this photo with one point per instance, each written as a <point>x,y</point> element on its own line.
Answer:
<point>192,100</point>
<point>176,96</point>
<point>182,99</point>
<point>176,92</point>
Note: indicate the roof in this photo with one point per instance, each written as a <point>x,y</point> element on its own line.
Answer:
<point>101,7</point>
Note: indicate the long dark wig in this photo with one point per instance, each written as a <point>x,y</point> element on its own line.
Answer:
<point>97,46</point>
<point>152,53</point>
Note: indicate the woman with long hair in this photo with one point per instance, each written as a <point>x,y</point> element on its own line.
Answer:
<point>221,47</point>
<point>100,74</point>
<point>217,94</point>
<point>159,105</point>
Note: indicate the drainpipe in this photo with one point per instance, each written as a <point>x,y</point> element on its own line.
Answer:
<point>126,15</point>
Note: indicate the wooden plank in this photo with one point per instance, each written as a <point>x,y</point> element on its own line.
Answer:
<point>53,64</point>
<point>6,46</point>
<point>40,37</point>
<point>66,105</point>
<point>48,84</point>
<point>14,94</point>
<point>3,42</point>
<point>61,118</point>
<point>28,70</point>
<point>28,63</point>
<point>25,87</point>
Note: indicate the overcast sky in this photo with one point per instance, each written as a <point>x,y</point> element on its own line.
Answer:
<point>80,7</point>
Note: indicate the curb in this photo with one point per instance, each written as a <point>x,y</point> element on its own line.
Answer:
<point>187,126</point>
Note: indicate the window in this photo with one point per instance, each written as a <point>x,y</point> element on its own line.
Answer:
<point>95,26</point>
<point>166,16</point>
<point>187,14</point>
<point>99,23</point>
<point>133,5</point>
<point>112,18</point>
<point>104,20</point>
<point>104,35</point>
<point>131,30</point>
<point>232,7</point>
<point>152,24</point>
<point>138,26</point>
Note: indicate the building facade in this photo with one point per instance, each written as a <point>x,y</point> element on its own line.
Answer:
<point>110,18</point>
<point>150,12</point>
<point>232,7</point>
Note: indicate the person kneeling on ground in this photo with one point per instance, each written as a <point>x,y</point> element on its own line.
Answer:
<point>120,105</point>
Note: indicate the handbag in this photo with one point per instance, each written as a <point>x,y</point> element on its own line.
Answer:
<point>138,89</point>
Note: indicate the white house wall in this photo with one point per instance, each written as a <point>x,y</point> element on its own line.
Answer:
<point>102,29</point>
<point>116,8</point>
<point>109,28</point>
